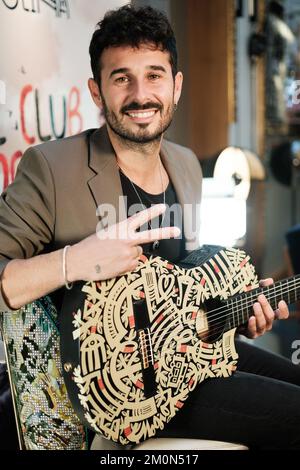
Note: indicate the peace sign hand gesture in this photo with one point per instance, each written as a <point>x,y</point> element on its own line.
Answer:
<point>115,250</point>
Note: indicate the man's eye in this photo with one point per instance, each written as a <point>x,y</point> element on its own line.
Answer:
<point>122,80</point>
<point>154,76</point>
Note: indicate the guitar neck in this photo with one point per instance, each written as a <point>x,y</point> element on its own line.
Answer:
<point>241,306</point>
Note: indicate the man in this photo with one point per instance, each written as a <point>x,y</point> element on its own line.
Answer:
<point>48,220</point>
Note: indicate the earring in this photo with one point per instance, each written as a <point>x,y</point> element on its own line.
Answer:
<point>175,106</point>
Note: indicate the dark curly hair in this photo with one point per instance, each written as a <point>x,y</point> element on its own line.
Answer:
<point>132,26</point>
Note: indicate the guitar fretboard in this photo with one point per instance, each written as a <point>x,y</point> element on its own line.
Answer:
<point>241,306</point>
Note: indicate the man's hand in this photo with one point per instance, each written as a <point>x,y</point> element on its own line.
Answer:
<point>263,317</point>
<point>115,250</point>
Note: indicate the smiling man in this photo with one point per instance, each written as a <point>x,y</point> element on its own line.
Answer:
<point>138,98</point>
<point>63,191</point>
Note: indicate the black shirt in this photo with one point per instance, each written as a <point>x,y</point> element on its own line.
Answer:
<point>172,249</point>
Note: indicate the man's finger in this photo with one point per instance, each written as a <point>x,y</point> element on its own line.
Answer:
<point>251,330</point>
<point>282,312</point>
<point>156,234</point>
<point>260,318</point>
<point>266,282</point>
<point>137,220</point>
<point>267,311</point>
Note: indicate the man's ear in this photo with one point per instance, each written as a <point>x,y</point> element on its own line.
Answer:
<point>95,92</point>
<point>178,87</point>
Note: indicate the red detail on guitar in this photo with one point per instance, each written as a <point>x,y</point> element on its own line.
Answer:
<point>159,319</point>
<point>127,431</point>
<point>98,284</point>
<point>216,268</point>
<point>179,404</point>
<point>139,384</point>
<point>205,345</point>
<point>101,384</point>
<point>143,258</point>
<point>203,281</point>
<point>170,266</point>
<point>176,289</point>
<point>183,348</point>
<point>131,321</point>
<point>128,349</point>
<point>156,364</point>
<point>191,382</point>
<point>93,329</point>
<point>213,362</point>
<point>243,262</point>
<point>194,315</point>
<point>142,295</point>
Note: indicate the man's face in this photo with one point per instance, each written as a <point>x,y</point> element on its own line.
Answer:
<point>138,92</point>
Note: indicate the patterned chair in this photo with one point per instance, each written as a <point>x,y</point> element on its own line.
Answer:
<point>46,419</point>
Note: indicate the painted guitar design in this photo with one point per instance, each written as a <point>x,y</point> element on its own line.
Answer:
<point>134,347</point>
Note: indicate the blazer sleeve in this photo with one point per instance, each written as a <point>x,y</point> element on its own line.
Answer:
<point>27,212</point>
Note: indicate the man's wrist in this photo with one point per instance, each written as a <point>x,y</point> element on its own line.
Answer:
<point>70,265</point>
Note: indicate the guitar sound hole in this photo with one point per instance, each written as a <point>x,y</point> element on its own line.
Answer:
<point>210,324</point>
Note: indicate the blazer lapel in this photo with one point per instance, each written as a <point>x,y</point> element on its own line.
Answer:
<point>105,184</point>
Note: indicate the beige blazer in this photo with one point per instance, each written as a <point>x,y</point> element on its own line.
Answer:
<point>59,185</point>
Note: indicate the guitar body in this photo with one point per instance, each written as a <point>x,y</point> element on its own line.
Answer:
<point>134,347</point>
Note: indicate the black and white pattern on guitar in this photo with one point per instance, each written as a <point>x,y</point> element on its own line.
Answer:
<point>115,356</point>
<point>46,416</point>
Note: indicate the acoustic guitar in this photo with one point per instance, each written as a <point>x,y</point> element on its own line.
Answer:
<point>134,347</point>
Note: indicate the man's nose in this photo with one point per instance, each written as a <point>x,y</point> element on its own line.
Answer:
<point>140,91</point>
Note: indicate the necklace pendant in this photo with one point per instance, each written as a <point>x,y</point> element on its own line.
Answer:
<point>155,245</point>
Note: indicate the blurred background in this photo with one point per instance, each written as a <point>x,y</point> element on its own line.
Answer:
<point>239,112</point>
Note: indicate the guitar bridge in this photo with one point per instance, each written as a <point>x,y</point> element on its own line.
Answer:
<point>145,346</point>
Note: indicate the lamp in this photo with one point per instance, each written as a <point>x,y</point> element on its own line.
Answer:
<point>224,210</point>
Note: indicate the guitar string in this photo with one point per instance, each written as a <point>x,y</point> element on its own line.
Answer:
<point>290,284</point>
<point>248,302</point>
<point>260,290</point>
<point>219,327</point>
<point>229,308</point>
<point>223,317</point>
<point>210,335</point>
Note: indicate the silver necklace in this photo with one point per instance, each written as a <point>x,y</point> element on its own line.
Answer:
<point>155,244</point>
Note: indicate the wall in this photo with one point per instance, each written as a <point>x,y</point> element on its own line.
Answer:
<point>44,67</point>
<point>45,64</point>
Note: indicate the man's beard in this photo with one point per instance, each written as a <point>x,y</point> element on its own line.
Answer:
<point>141,136</point>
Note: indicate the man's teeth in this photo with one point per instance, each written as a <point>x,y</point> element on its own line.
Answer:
<point>142,115</point>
